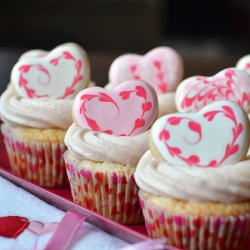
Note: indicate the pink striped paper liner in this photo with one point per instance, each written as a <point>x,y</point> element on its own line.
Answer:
<point>41,163</point>
<point>196,232</point>
<point>112,195</point>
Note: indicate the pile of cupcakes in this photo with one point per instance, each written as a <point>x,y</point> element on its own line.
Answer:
<point>150,147</point>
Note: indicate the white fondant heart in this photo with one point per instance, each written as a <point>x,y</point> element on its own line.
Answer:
<point>61,73</point>
<point>161,67</point>
<point>196,92</point>
<point>126,110</point>
<point>214,136</point>
<point>244,64</point>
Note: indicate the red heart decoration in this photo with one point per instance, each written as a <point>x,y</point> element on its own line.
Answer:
<point>61,73</point>
<point>133,194</point>
<point>114,211</point>
<point>86,187</point>
<point>116,179</point>
<point>130,208</point>
<point>108,189</point>
<point>12,226</point>
<point>96,187</point>
<point>162,67</point>
<point>99,176</point>
<point>121,196</point>
<point>88,202</point>
<point>124,180</point>
<point>109,111</point>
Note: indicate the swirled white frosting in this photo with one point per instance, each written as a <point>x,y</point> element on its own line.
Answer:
<point>37,113</point>
<point>226,184</point>
<point>98,146</point>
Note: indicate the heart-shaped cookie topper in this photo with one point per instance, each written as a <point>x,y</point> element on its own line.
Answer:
<point>244,64</point>
<point>214,136</point>
<point>61,73</point>
<point>127,110</point>
<point>33,53</point>
<point>196,92</point>
<point>162,67</point>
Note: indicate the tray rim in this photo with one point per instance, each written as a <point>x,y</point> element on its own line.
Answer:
<point>101,222</point>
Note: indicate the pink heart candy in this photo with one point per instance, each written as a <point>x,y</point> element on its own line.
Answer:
<point>196,92</point>
<point>214,136</point>
<point>127,110</point>
<point>61,73</point>
<point>162,67</point>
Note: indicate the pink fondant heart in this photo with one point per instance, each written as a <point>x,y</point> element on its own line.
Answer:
<point>161,67</point>
<point>129,109</point>
<point>196,92</point>
<point>216,135</point>
<point>61,73</point>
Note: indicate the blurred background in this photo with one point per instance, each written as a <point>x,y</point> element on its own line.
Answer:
<point>209,35</point>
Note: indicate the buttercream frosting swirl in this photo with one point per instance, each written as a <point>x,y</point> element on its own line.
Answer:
<point>98,146</point>
<point>226,184</point>
<point>38,113</point>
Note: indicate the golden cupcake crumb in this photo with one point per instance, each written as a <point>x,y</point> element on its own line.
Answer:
<point>40,135</point>
<point>198,208</point>
<point>101,166</point>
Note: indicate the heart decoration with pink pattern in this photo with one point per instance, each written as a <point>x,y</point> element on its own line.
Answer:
<point>127,110</point>
<point>162,67</point>
<point>230,84</point>
<point>60,73</point>
<point>216,135</point>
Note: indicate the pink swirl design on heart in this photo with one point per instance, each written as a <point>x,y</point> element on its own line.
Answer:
<point>194,160</point>
<point>31,93</point>
<point>163,86</point>
<point>124,95</point>
<point>213,89</point>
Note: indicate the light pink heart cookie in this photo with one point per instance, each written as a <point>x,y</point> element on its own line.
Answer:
<point>127,110</point>
<point>196,92</point>
<point>214,136</point>
<point>244,64</point>
<point>162,67</point>
<point>61,73</point>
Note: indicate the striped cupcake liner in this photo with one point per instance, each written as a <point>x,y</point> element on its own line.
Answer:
<point>41,163</point>
<point>196,232</point>
<point>112,195</point>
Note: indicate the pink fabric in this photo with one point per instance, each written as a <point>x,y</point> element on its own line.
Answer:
<point>66,231</point>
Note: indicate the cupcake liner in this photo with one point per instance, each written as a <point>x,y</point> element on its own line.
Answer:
<point>196,232</point>
<point>112,195</point>
<point>41,163</point>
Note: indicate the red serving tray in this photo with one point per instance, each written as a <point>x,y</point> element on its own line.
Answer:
<point>62,199</point>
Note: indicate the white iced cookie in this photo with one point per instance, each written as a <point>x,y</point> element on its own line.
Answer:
<point>216,135</point>
<point>196,92</point>
<point>60,73</point>
<point>244,64</point>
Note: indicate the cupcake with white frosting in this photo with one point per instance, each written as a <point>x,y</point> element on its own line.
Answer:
<point>36,111</point>
<point>105,143</point>
<point>195,179</point>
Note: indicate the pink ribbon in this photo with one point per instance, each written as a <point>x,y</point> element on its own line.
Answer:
<point>66,231</point>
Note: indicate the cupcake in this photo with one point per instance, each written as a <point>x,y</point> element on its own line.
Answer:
<point>195,179</point>
<point>36,111</point>
<point>109,135</point>
<point>162,67</point>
